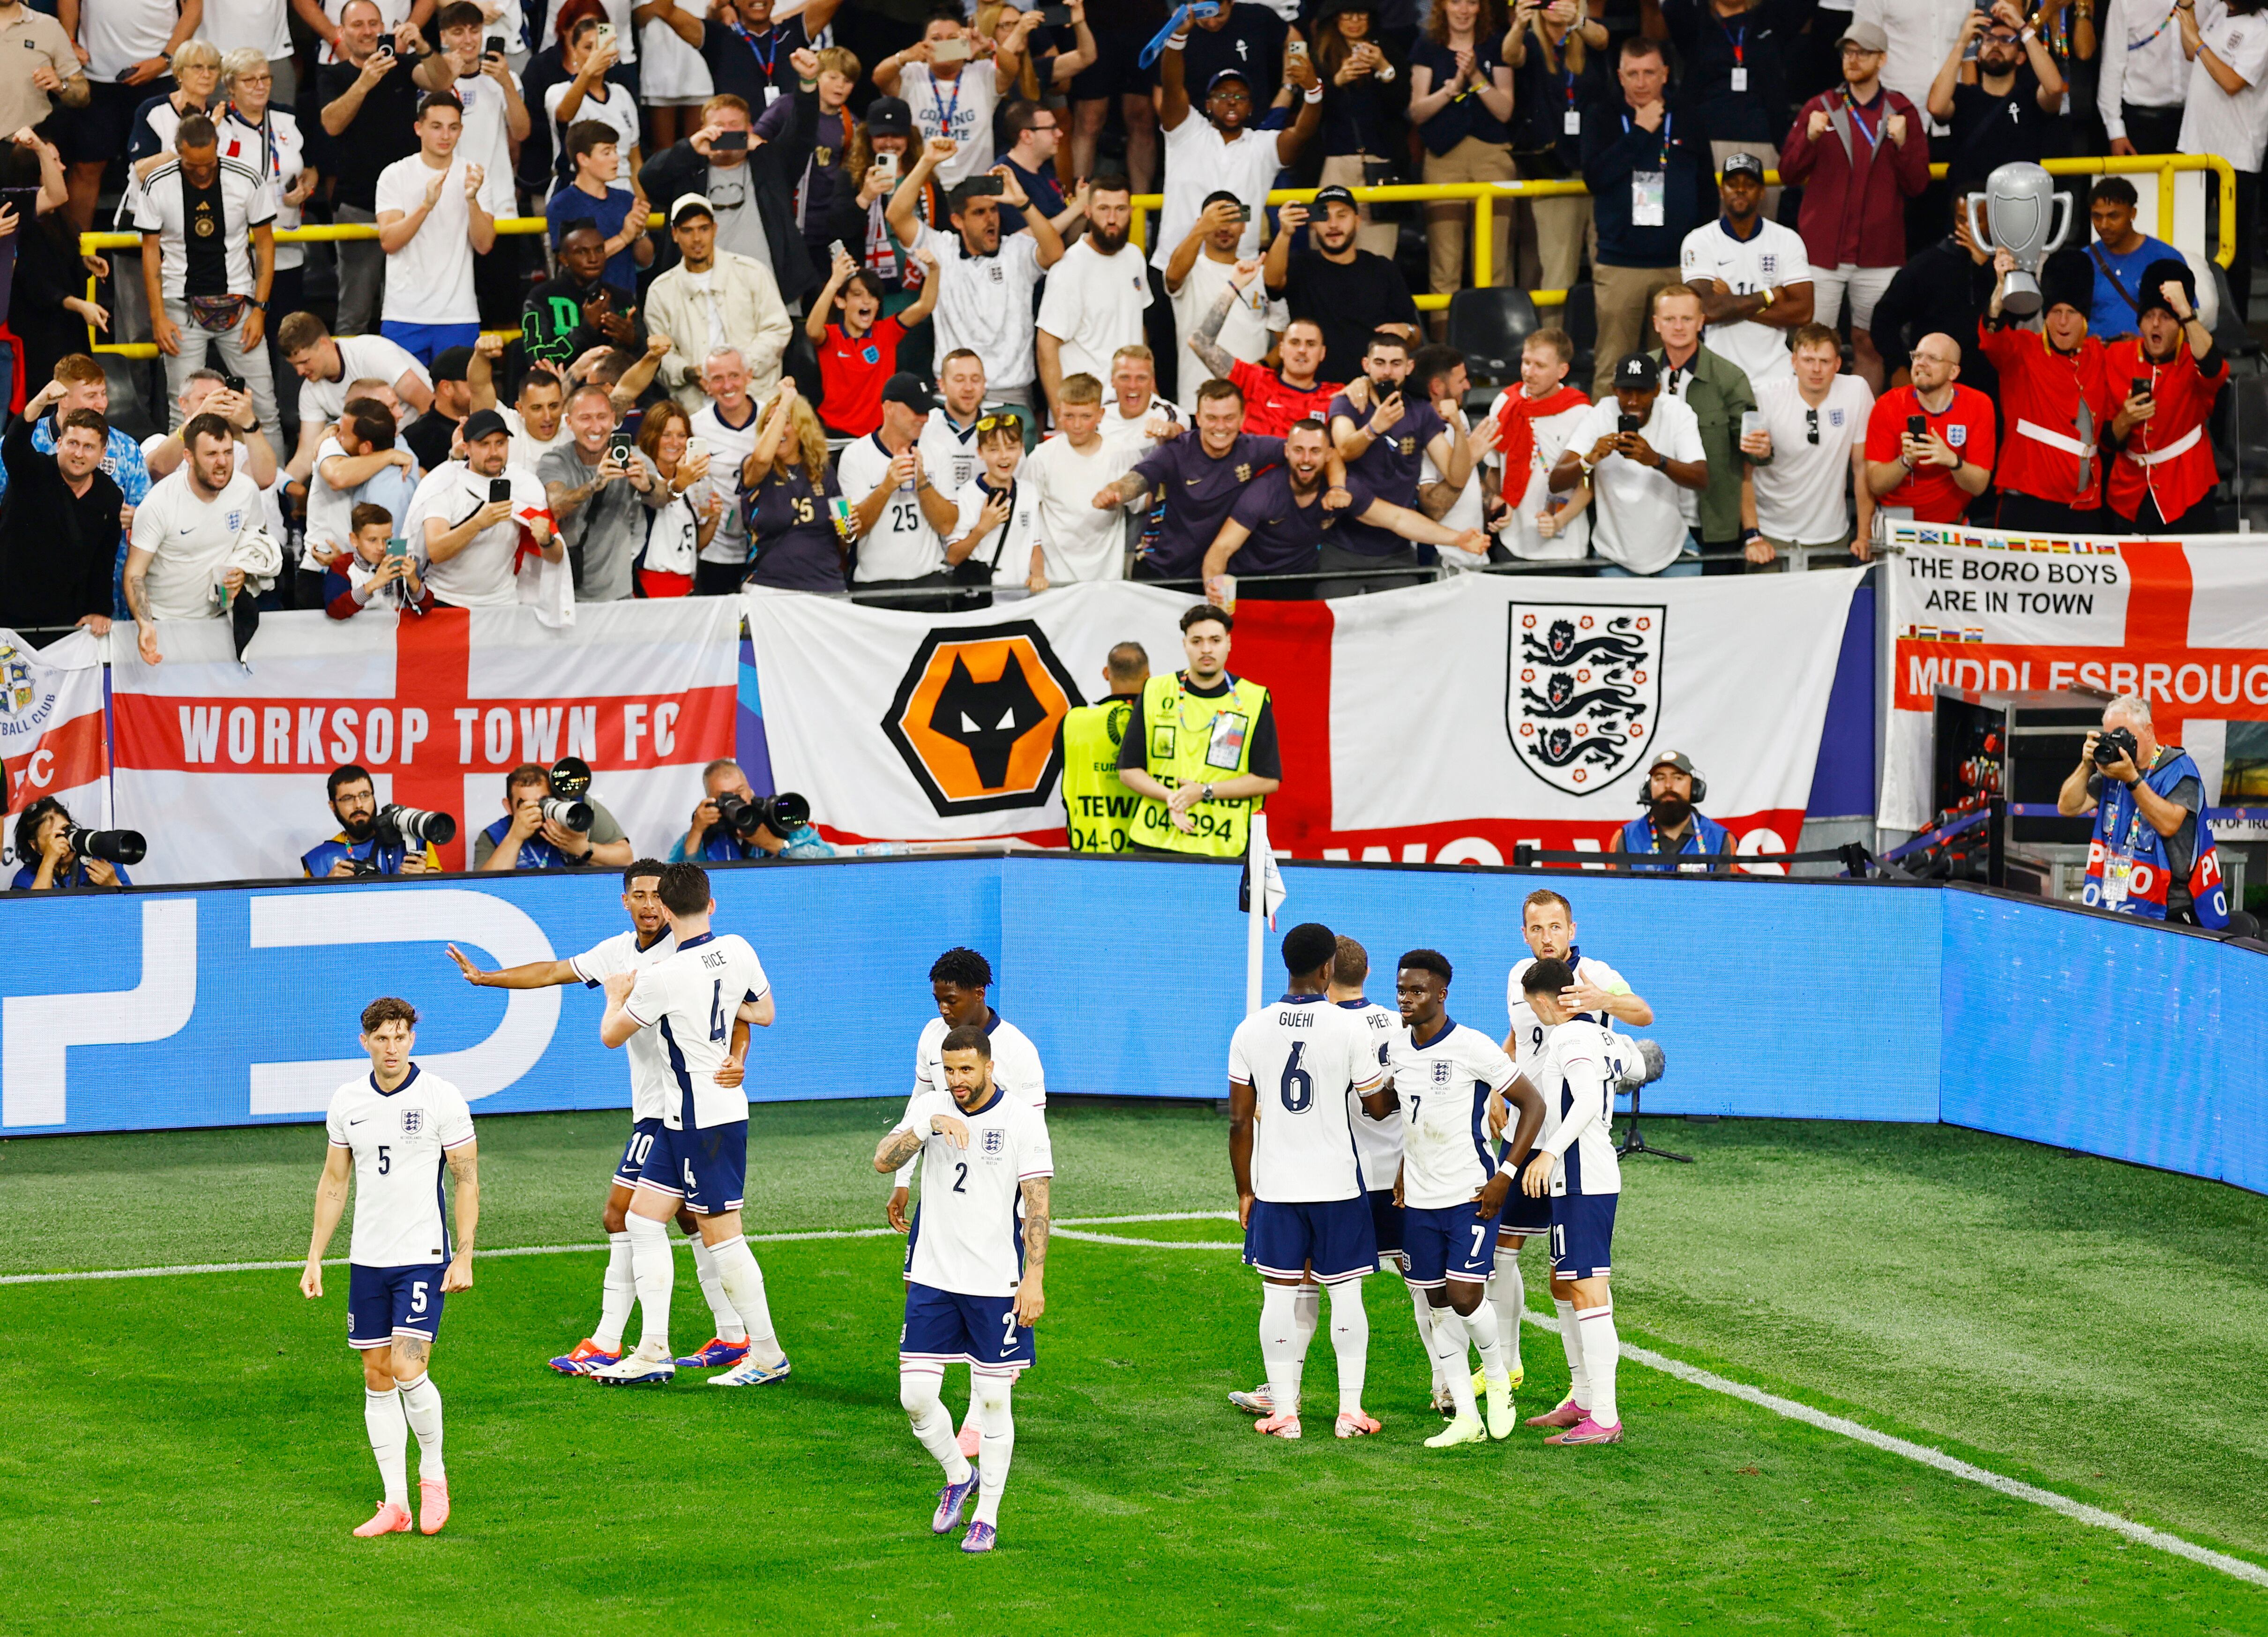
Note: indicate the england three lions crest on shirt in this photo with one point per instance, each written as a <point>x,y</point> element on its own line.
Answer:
<point>1583,689</point>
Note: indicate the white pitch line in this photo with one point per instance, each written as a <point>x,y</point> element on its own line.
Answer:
<point>2141,1534</point>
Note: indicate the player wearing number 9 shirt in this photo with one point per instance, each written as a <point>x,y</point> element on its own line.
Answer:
<point>391,1131</point>
<point>1298,1183</point>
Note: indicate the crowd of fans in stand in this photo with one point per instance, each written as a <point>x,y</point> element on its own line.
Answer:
<point>831,296</point>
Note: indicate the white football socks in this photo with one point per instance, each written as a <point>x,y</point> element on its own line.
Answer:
<point>1482,1325</point>
<point>617,1295</point>
<point>1508,1295</point>
<point>1307,1313</point>
<point>1448,1343</point>
<point>1424,1309</point>
<point>1281,1347</point>
<point>997,1446</point>
<point>655,1270</point>
<point>421,1400</point>
<point>744,1289</point>
<point>1601,1347</point>
<point>729,1327</point>
<point>389,1442</point>
<point>1570,1339</point>
<point>917,1392</point>
<point>1350,1342</point>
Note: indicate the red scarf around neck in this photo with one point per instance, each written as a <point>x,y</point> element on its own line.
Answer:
<point>1516,431</point>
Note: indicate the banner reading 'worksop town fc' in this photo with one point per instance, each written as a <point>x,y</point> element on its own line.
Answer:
<point>2185,624</point>
<point>224,766</point>
<point>1445,724</point>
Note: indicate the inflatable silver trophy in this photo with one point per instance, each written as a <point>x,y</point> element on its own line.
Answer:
<point>2019,200</point>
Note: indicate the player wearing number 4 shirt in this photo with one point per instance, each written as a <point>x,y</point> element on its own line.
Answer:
<point>973,1287</point>
<point>1299,1183</point>
<point>1574,1165</point>
<point>392,1132</point>
<point>699,1155</point>
<point>1450,1187</point>
<point>648,941</point>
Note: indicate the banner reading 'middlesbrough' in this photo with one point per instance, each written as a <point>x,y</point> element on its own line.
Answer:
<point>2185,624</point>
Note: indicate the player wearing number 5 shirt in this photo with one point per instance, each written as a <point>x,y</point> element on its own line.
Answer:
<point>700,1156</point>
<point>1299,1187</point>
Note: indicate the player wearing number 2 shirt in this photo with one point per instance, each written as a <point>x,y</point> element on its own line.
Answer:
<point>1299,1183</point>
<point>392,1132</point>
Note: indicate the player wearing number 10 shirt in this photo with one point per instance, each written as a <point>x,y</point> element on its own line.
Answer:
<point>1298,1183</point>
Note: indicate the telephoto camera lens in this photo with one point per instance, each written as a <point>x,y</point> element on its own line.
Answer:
<point>398,824</point>
<point>785,812</point>
<point>739,815</point>
<point>114,846</point>
<point>570,776</point>
<point>576,815</point>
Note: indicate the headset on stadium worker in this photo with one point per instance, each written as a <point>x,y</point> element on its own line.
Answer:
<point>1702,834</point>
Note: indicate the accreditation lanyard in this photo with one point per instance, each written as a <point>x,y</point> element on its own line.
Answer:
<point>765,54</point>
<point>1649,190</point>
<point>1737,39</point>
<point>2166,22</point>
<point>1858,120</point>
<point>1572,123</point>
<point>945,112</point>
<point>272,155</point>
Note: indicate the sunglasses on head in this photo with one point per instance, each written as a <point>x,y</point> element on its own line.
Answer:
<point>991,423</point>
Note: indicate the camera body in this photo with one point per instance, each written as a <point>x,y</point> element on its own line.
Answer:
<point>783,814</point>
<point>2118,745</point>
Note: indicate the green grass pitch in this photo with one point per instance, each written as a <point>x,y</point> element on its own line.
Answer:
<point>185,1453</point>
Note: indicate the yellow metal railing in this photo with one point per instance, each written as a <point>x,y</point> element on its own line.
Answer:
<point>1484,197</point>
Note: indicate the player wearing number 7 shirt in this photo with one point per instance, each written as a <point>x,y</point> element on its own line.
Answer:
<point>391,1131</point>
<point>648,941</point>
<point>1299,1183</point>
<point>700,1156</point>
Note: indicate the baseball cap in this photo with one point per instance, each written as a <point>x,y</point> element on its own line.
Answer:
<point>1638,372</point>
<point>889,116</point>
<point>1223,77</point>
<point>1221,195</point>
<point>907,390</point>
<point>1865,36</point>
<point>1677,759</point>
<point>1326,197</point>
<point>1744,165</point>
<point>483,423</point>
<point>452,364</point>
<point>690,204</point>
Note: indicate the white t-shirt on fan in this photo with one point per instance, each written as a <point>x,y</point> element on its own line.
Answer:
<point>1076,541</point>
<point>430,279</point>
<point>962,111</point>
<point>1199,161</point>
<point>361,358</point>
<point>1093,305</point>
<point>2214,122</point>
<point>1243,334</point>
<point>189,538</point>
<point>1639,517</point>
<point>1801,491</point>
<point>1550,440</point>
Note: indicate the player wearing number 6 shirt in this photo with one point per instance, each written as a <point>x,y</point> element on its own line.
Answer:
<point>648,941</point>
<point>1574,1165</point>
<point>1600,994</point>
<point>1300,1189</point>
<point>391,1131</point>
<point>1449,1187</point>
<point>700,1153</point>
<point>974,1284</point>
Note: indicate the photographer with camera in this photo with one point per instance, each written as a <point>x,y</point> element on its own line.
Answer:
<point>732,823</point>
<point>374,840</point>
<point>51,851</point>
<point>2149,856</point>
<point>550,824</point>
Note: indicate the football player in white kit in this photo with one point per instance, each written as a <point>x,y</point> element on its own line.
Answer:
<point>390,1134</point>
<point>648,941</point>
<point>957,982</point>
<point>1574,1165</point>
<point>1299,1193</point>
<point>1450,1188</point>
<point>699,1158</point>
<point>1598,993</point>
<point>975,1285</point>
<point>1378,1145</point>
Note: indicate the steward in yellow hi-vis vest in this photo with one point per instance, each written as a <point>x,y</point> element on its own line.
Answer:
<point>1201,751</point>
<point>1097,806</point>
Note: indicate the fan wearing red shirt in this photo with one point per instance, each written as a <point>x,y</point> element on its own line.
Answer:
<point>1936,470</point>
<point>1277,400</point>
<point>2056,395</point>
<point>859,347</point>
<point>2162,480</point>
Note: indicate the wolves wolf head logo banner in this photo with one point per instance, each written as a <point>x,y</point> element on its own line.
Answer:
<point>1583,689</point>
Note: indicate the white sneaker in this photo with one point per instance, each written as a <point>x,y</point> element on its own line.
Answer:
<point>651,1366</point>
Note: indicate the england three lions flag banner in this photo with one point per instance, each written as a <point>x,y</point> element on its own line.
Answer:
<point>1443,724</point>
<point>2184,623</point>
<point>51,737</point>
<point>223,765</point>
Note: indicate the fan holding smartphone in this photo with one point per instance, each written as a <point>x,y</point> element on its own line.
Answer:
<point>2168,375</point>
<point>1930,445</point>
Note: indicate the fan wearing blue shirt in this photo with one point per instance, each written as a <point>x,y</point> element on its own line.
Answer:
<point>2121,253</point>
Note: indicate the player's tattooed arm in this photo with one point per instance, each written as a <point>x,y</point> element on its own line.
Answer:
<point>896,1149</point>
<point>330,1205</point>
<point>1031,1300</point>
<point>465,1167</point>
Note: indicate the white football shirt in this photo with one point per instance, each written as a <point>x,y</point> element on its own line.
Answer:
<point>1443,1085</point>
<point>1582,1063</point>
<point>190,539</point>
<point>984,304</point>
<point>161,206</point>
<point>1302,1056</point>
<point>1007,550</point>
<point>1377,1143</point>
<point>1639,515</point>
<point>397,1139</point>
<point>1769,258</point>
<point>972,1239</point>
<point>1803,490</point>
<point>902,545</point>
<point>652,1089</point>
<point>1015,1069</point>
<point>689,998</point>
<point>948,452</point>
<point>362,358</point>
<point>1529,1031</point>
<point>729,449</point>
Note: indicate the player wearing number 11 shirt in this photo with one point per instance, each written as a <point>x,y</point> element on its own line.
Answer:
<point>1300,1193</point>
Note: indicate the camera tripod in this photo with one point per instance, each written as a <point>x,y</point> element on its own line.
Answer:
<point>1634,1140</point>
